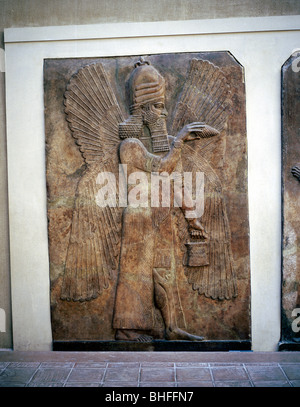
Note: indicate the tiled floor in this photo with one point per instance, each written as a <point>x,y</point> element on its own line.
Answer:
<point>160,369</point>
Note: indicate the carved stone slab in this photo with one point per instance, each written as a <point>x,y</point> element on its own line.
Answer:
<point>291,199</point>
<point>204,278</point>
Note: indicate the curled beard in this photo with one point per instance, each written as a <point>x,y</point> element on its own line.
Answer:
<point>159,135</point>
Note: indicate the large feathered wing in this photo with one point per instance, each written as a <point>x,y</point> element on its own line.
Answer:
<point>217,278</point>
<point>206,98</point>
<point>93,114</point>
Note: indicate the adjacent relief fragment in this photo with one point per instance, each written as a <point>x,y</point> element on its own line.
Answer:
<point>147,198</point>
<point>291,202</point>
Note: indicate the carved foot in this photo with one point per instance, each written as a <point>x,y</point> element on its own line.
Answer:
<point>132,335</point>
<point>178,334</point>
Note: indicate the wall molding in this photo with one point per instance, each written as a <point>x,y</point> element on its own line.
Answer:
<point>152,29</point>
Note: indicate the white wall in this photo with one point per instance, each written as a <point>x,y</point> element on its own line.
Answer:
<point>261,45</point>
<point>5,309</point>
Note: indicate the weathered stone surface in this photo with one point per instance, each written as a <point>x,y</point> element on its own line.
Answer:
<point>206,315</point>
<point>290,197</point>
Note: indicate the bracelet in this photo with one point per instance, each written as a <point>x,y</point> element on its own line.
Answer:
<point>177,143</point>
<point>155,163</point>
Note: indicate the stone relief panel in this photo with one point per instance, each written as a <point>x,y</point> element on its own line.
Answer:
<point>291,199</point>
<point>146,166</point>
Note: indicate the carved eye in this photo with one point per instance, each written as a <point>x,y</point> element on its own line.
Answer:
<point>159,105</point>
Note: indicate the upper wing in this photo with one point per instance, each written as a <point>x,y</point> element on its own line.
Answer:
<point>93,113</point>
<point>205,97</point>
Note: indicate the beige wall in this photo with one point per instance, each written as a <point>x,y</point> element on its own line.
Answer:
<point>27,13</point>
<point>5,311</point>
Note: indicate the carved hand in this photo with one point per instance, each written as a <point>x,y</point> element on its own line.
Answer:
<point>196,130</point>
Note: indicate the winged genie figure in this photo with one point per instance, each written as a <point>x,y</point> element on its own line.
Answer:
<point>144,246</point>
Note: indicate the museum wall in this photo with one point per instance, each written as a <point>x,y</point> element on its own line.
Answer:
<point>39,13</point>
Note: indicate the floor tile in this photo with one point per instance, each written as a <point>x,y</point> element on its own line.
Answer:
<point>195,384</point>
<point>192,374</point>
<point>89,365</point>
<point>157,364</point>
<point>292,371</point>
<point>12,384</point>
<point>56,364</point>
<point>31,384</point>
<point>21,375</point>
<point>120,384</point>
<point>271,383</point>
<point>265,373</point>
<point>81,384</point>
<point>54,375</point>
<point>3,365</point>
<point>158,384</point>
<point>149,369</point>
<point>123,364</point>
<point>295,383</point>
<point>157,375</point>
<point>234,383</point>
<point>14,365</point>
<point>86,375</point>
<point>229,373</point>
<point>191,364</point>
<point>122,374</point>
<point>224,364</point>
<point>260,364</point>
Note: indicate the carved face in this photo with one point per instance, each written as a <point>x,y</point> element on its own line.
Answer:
<point>153,111</point>
<point>154,116</point>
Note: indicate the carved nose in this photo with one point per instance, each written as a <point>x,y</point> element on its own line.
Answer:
<point>164,113</point>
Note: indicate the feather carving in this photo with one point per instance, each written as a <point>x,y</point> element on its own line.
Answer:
<point>205,97</point>
<point>93,114</point>
<point>216,280</point>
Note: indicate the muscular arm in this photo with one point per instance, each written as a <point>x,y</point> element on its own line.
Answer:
<point>132,151</point>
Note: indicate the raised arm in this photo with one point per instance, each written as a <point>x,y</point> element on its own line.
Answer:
<point>132,150</point>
